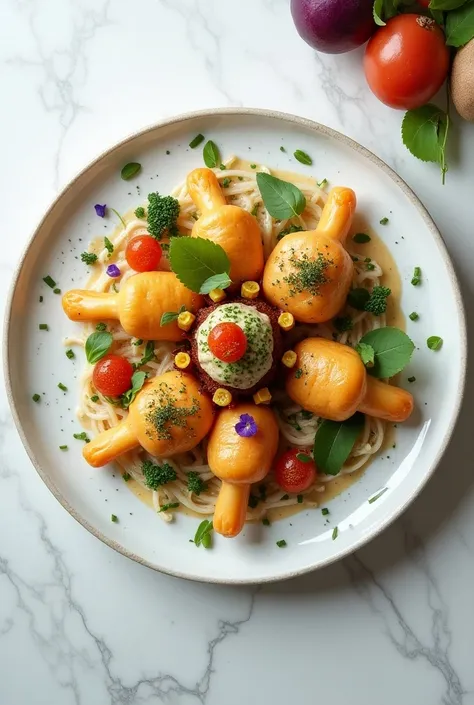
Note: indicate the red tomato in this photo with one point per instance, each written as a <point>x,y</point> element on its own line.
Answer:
<point>227,342</point>
<point>407,61</point>
<point>294,475</point>
<point>112,375</point>
<point>143,253</point>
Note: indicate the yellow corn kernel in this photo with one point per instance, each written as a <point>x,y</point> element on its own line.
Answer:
<point>250,290</point>
<point>217,295</point>
<point>289,358</point>
<point>286,321</point>
<point>186,320</point>
<point>182,360</point>
<point>263,396</point>
<point>222,397</point>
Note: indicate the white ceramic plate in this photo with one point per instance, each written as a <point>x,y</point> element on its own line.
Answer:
<point>35,360</point>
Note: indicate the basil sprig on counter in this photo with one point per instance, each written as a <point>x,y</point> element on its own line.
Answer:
<point>97,345</point>
<point>392,350</point>
<point>282,199</point>
<point>334,442</point>
<point>200,264</point>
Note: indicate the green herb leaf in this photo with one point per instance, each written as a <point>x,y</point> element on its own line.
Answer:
<point>361,238</point>
<point>460,25</point>
<point>304,457</point>
<point>98,345</point>
<point>434,342</point>
<point>378,12</point>
<point>81,436</point>
<point>168,317</point>
<point>424,133</point>
<point>196,141</point>
<point>49,281</point>
<point>302,157</point>
<point>36,398</point>
<point>446,5</point>
<point>149,353</point>
<point>138,380</point>
<point>416,279</point>
<point>108,245</point>
<point>282,199</point>
<point>377,496</point>
<point>334,442</point>
<point>414,316</point>
<point>384,10</point>
<point>167,507</point>
<point>70,354</point>
<point>335,533</point>
<point>218,281</point>
<point>393,350</point>
<point>211,155</point>
<point>194,260</point>
<point>366,353</point>
<point>384,221</point>
<point>324,511</point>
<point>357,298</point>
<point>130,170</point>
<point>114,518</point>
<point>204,529</point>
<point>281,543</point>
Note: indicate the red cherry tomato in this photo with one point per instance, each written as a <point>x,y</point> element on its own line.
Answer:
<point>294,475</point>
<point>112,375</point>
<point>227,342</point>
<point>143,253</point>
<point>407,61</point>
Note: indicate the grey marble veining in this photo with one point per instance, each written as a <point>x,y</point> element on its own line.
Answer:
<point>82,625</point>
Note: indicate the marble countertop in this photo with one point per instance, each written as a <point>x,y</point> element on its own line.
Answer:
<point>81,624</point>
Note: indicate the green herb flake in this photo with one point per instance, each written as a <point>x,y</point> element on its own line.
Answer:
<point>130,170</point>
<point>266,522</point>
<point>254,210</point>
<point>253,166</point>
<point>434,342</point>
<point>196,141</point>
<point>140,212</point>
<point>285,497</point>
<point>114,518</point>
<point>95,398</point>
<point>70,354</point>
<point>41,299</point>
<point>282,149</point>
<point>100,327</point>
<point>108,245</point>
<point>367,354</point>
<point>56,291</point>
<point>322,183</point>
<point>157,475</point>
<point>81,436</point>
<point>384,221</point>
<point>377,496</point>
<point>281,543</point>
<point>414,316</point>
<point>324,511</point>
<point>412,379</point>
<point>138,380</point>
<point>370,266</point>
<point>167,507</point>
<point>226,182</point>
<point>88,258</point>
<point>36,398</point>
<point>361,238</point>
<point>299,498</point>
<point>298,373</point>
<point>416,278</point>
<point>49,281</point>
<point>137,342</point>
<point>302,157</point>
<point>195,484</point>
<point>343,324</point>
<point>63,448</point>
<point>43,326</point>
<point>62,387</point>
<point>126,476</point>
<point>304,457</point>
<point>357,298</point>
<point>211,155</point>
<point>335,533</point>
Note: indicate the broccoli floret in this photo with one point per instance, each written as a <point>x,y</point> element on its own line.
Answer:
<point>195,484</point>
<point>343,324</point>
<point>162,215</point>
<point>89,258</point>
<point>377,303</point>
<point>157,475</point>
<point>289,230</point>
<point>140,212</point>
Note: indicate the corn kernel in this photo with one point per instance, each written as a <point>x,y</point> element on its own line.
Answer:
<point>182,360</point>
<point>263,396</point>
<point>250,290</point>
<point>186,320</point>
<point>217,295</point>
<point>286,321</point>
<point>222,397</point>
<point>289,358</point>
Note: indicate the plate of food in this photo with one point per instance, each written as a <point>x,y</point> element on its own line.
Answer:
<point>226,346</point>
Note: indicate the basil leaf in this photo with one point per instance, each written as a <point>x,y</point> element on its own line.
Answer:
<point>460,25</point>
<point>357,298</point>
<point>282,199</point>
<point>204,529</point>
<point>138,380</point>
<point>97,345</point>
<point>424,133</point>
<point>302,157</point>
<point>218,281</point>
<point>378,12</point>
<point>168,317</point>
<point>130,170</point>
<point>211,155</point>
<point>384,10</point>
<point>446,5</point>
<point>149,353</point>
<point>367,354</point>
<point>334,442</point>
<point>393,350</point>
<point>194,260</point>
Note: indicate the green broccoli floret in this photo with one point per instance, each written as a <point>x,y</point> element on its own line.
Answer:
<point>89,258</point>
<point>140,212</point>
<point>195,484</point>
<point>377,303</point>
<point>343,323</point>
<point>162,215</point>
<point>289,230</point>
<point>157,475</point>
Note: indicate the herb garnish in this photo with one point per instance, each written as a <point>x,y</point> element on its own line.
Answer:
<point>195,483</point>
<point>130,170</point>
<point>157,475</point>
<point>138,380</point>
<point>281,543</point>
<point>392,351</point>
<point>377,496</point>
<point>324,511</point>
<point>302,157</point>
<point>335,533</point>
<point>367,354</point>
<point>108,245</point>
<point>334,442</point>
<point>164,415</point>
<point>101,327</point>
<point>43,326</point>
<point>425,131</point>
<point>36,398</point>
<point>196,260</point>
<point>434,342</point>
<point>203,534</point>
<point>211,154</point>
<point>88,258</point>
<point>70,354</point>
<point>49,281</point>
<point>196,141</point>
<point>414,316</point>
<point>309,274</point>
<point>97,345</point>
<point>167,507</point>
<point>287,231</point>
<point>282,199</point>
<point>140,212</point>
<point>81,437</point>
<point>62,387</point>
<point>114,518</point>
<point>361,238</point>
<point>384,221</point>
<point>416,279</point>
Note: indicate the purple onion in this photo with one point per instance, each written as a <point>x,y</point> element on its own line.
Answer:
<point>100,210</point>
<point>246,426</point>
<point>113,271</point>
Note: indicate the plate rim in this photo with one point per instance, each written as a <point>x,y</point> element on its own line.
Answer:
<point>442,248</point>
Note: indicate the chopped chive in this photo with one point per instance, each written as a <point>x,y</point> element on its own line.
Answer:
<point>95,398</point>
<point>414,316</point>
<point>285,496</point>
<point>100,326</point>
<point>56,291</point>
<point>171,505</point>
<point>335,533</point>
<point>43,326</point>
<point>299,499</point>
<point>126,476</point>
<point>81,437</point>
<point>196,141</point>
<point>36,397</point>
<point>416,279</point>
<point>377,496</point>
<point>114,518</point>
<point>253,166</point>
<point>281,543</point>
<point>266,522</point>
<point>41,299</point>
<point>138,341</point>
<point>361,238</point>
<point>62,387</point>
<point>63,448</point>
<point>282,149</point>
<point>384,221</point>
<point>222,167</point>
<point>70,354</point>
<point>370,266</point>
<point>324,511</point>
<point>108,245</point>
<point>434,342</point>
<point>322,183</point>
<point>49,281</point>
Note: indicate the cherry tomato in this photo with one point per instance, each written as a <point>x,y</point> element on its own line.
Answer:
<point>143,253</point>
<point>407,61</point>
<point>227,342</point>
<point>292,474</point>
<point>112,375</point>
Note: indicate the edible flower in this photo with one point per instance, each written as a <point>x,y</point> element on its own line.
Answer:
<point>100,210</point>
<point>247,426</point>
<point>113,271</point>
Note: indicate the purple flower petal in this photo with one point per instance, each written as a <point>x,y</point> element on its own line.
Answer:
<point>100,210</point>
<point>113,271</point>
<point>246,426</point>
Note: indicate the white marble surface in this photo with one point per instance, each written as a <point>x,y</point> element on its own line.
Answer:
<point>81,624</point>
